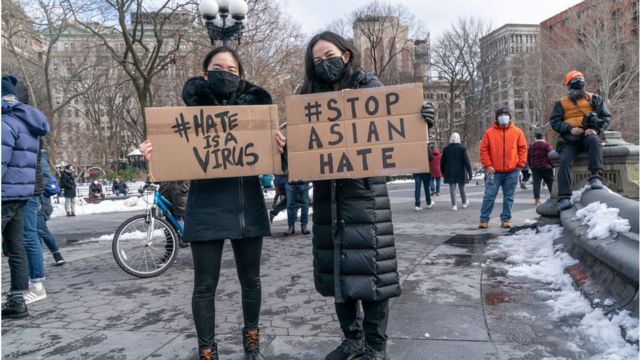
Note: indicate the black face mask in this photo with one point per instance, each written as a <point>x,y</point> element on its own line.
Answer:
<point>329,70</point>
<point>576,84</point>
<point>223,83</point>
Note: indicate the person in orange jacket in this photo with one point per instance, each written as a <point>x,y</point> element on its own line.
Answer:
<point>503,153</point>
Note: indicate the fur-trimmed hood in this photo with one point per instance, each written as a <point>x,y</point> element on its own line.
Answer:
<point>196,93</point>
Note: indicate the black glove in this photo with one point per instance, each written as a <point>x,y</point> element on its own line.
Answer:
<point>429,114</point>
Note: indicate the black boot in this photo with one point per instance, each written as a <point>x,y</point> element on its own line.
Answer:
<point>348,350</point>
<point>209,353</point>
<point>371,353</point>
<point>14,309</point>
<point>305,230</point>
<point>251,344</point>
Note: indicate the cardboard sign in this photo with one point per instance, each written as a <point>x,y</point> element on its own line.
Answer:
<point>212,141</point>
<point>356,133</point>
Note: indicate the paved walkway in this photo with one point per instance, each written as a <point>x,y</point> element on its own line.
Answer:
<point>452,305</point>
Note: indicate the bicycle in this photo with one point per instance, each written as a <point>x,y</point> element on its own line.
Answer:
<point>146,245</point>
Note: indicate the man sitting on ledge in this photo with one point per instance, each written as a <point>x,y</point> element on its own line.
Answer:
<point>580,118</point>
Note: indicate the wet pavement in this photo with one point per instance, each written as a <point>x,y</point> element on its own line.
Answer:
<point>454,304</point>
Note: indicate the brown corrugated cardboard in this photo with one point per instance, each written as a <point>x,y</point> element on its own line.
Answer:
<point>356,133</point>
<point>212,142</point>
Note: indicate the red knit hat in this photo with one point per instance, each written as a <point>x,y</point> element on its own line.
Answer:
<point>571,75</point>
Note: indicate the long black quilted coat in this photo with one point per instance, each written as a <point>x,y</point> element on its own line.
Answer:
<point>229,208</point>
<point>354,254</point>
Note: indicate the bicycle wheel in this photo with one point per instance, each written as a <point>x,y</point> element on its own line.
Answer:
<point>143,251</point>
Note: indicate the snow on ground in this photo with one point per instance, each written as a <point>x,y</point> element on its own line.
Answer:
<point>534,256</point>
<point>106,206</point>
<point>602,220</point>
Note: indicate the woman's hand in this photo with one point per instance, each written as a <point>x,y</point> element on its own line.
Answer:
<point>281,141</point>
<point>145,148</point>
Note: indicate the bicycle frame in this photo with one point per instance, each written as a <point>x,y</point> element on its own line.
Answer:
<point>164,205</point>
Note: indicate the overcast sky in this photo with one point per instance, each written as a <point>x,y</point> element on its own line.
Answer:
<point>437,16</point>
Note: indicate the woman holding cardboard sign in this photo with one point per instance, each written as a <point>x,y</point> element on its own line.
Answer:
<point>352,219</point>
<point>219,209</point>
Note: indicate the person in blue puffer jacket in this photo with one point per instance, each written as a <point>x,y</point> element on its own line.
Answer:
<point>22,125</point>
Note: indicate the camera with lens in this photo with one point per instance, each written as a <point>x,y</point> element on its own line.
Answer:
<point>591,121</point>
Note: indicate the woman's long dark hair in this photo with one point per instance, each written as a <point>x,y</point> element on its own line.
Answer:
<point>236,57</point>
<point>311,82</point>
<point>218,50</point>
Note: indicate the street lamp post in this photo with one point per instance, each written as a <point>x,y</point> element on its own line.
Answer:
<point>215,14</point>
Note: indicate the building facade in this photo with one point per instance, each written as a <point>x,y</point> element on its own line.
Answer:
<point>511,57</point>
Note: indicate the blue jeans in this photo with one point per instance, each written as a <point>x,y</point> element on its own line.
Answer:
<point>32,244</point>
<point>435,184</point>
<point>422,179</point>
<point>508,182</point>
<point>45,235</point>
<point>297,194</point>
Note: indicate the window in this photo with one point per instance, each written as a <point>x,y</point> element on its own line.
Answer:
<point>77,112</point>
<point>519,104</point>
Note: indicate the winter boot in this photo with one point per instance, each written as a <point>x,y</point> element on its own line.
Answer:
<point>251,344</point>
<point>372,354</point>
<point>596,183</point>
<point>348,350</point>
<point>564,204</point>
<point>305,230</point>
<point>58,258</point>
<point>14,309</point>
<point>209,353</point>
<point>291,231</point>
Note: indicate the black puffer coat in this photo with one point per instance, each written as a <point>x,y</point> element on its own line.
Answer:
<point>230,208</point>
<point>354,254</point>
<point>455,165</point>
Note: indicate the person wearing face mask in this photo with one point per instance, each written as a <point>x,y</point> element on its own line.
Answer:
<point>226,208</point>
<point>68,186</point>
<point>580,118</point>
<point>354,255</point>
<point>503,152</point>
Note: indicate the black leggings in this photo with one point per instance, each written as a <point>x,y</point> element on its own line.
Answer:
<point>206,264</point>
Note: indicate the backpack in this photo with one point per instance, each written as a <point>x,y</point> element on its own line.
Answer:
<point>52,188</point>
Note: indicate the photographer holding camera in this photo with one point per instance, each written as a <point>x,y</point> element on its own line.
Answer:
<point>580,118</point>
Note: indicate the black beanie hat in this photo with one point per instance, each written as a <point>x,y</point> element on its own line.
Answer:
<point>503,110</point>
<point>9,85</point>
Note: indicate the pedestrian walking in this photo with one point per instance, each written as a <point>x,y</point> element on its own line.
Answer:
<point>32,244</point>
<point>297,197</point>
<point>503,152</point>
<point>22,125</point>
<point>353,245</point>
<point>421,180</point>
<point>580,118</point>
<point>226,208</point>
<point>68,186</point>
<point>280,199</point>
<point>436,171</point>
<point>46,209</point>
<point>456,168</point>
<point>540,165</point>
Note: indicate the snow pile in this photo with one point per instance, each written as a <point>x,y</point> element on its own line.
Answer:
<point>106,206</point>
<point>576,196</point>
<point>533,255</point>
<point>602,220</point>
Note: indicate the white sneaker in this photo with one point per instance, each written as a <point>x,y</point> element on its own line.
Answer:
<point>429,206</point>
<point>34,295</point>
<point>454,208</point>
<point>465,205</point>
<point>417,208</point>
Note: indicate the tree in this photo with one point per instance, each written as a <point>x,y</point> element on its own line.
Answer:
<point>385,35</point>
<point>456,58</point>
<point>600,39</point>
<point>151,39</point>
